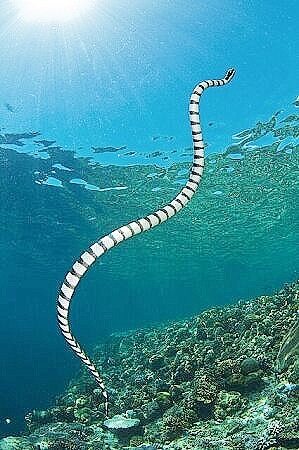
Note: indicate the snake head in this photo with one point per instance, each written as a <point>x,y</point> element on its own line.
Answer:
<point>229,74</point>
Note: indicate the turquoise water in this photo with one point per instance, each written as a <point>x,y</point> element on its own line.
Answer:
<point>95,133</point>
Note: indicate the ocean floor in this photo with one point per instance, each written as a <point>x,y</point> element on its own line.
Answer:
<point>225,379</point>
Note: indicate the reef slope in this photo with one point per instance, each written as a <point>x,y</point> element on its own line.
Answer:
<point>225,379</point>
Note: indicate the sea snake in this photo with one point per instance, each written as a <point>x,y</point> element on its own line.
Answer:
<point>101,246</point>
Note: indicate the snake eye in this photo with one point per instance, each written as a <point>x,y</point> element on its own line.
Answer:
<point>229,74</point>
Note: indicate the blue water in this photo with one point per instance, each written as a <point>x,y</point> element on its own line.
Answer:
<point>121,77</point>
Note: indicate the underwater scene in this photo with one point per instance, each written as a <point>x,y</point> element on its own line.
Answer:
<point>112,116</point>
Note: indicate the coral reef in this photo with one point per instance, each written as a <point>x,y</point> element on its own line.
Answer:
<point>211,382</point>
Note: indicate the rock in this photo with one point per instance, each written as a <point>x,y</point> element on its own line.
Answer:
<point>121,423</point>
<point>156,362</point>
<point>249,365</point>
<point>228,404</point>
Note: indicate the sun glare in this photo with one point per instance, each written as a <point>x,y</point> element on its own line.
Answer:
<point>51,10</point>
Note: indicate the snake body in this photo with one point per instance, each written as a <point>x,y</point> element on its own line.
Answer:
<point>105,243</point>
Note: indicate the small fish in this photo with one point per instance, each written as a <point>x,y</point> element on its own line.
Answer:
<point>130,153</point>
<point>8,420</point>
<point>163,138</point>
<point>154,154</point>
<point>9,107</point>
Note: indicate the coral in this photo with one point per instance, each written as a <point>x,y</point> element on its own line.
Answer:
<point>229,404</point>
<point>84,415</point>
<point>249,365</point>
<point>81,402</point>
<point>36,418</point>
<point>136,441</point>
<point>163,399</point>
<point>205,390</point>
<point>245,383</point>
<point>121,423</point>
<point>213,376</point>
<point>175,421</point>
<point>156,362</point>
<point>16,443</point>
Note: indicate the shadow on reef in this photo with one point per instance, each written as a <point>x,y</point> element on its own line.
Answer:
<point>215,381</point>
